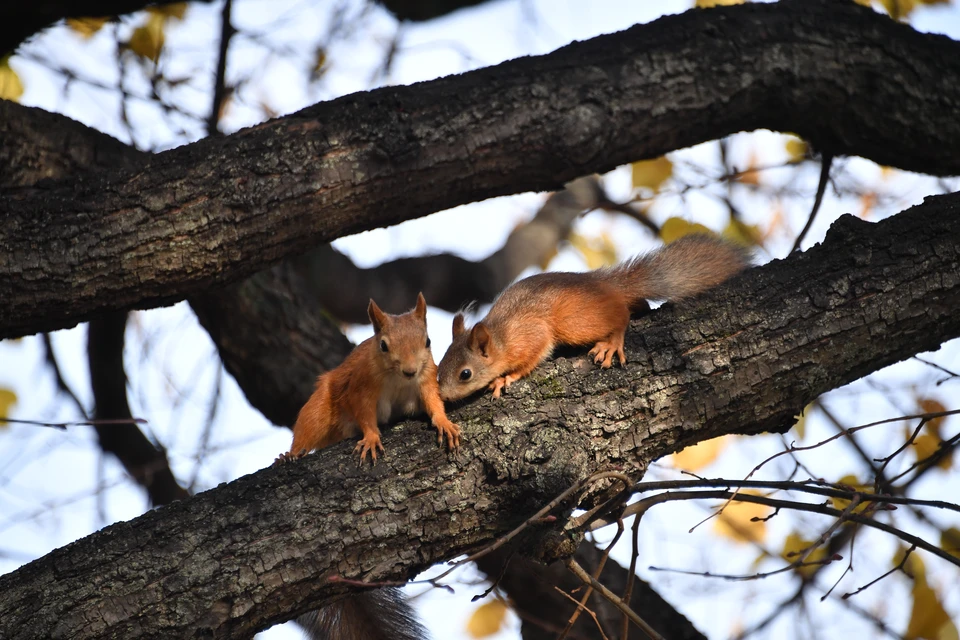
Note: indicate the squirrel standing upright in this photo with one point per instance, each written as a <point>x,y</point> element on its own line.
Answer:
<point>532,316</point>
<point>387,376</point>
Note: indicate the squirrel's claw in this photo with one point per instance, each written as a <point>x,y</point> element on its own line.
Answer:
<point>369,444</point>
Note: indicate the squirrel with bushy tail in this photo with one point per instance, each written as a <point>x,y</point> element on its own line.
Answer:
<point>533,316</point>
<point>392,374</point>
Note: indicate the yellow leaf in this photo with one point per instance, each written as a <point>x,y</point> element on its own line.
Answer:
<point>172,10</point>
<point>651,174</point>
<point>10,86</point>
<point>709,4</point>
<point>737,520</point>
<point>597,252</point>
<point>699,455</point>
<point>86,27</point>
<point>795,546</point>
<point>675,228</point>
<point>797,150</point>
<point>487,619</point>
<point>950,541</point>
<point>800,426</point>
<point>925,445</point>
<point>7,399</point>
<point>746,235</point>
<point>914,565</point>
<point>929,405</point>
<point>147,40</point>
<point>855,485</point>
<point>320,60</point>
<point>928,619</point>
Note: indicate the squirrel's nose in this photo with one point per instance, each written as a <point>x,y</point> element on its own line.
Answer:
<point>409,372</point>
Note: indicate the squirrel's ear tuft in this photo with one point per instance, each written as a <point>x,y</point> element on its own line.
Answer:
<point>480,339</point>
<point>458,327</point>
<point>377,317</point>
<point>421,309</point>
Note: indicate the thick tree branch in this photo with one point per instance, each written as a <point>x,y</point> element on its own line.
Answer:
<point>220,209</point>
<point>743,358</point>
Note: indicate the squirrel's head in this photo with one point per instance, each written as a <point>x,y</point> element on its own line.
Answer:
<point>466,366</point>
<point>402,341</point>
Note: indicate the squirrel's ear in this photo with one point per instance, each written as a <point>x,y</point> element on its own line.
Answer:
<point>377,317</point>
<point>480,339</point>
<point>458,327</point>
<point>421,309</point>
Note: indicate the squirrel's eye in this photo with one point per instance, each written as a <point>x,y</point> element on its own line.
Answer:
<point>383,346</point>
<point>428,343</point>
<point>465,374</point>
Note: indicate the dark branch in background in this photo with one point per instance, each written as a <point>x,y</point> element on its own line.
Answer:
<point>62,386</point>
<point>422,10</point>
<point>826,162</point>
<point>143,460</point>
<point>220,92</point>
<point>743,358</point>
<point>447,281</point>
<point>20,20</point>
<point>377,158</point>
<point>274,337</point>
<point>532,594</point>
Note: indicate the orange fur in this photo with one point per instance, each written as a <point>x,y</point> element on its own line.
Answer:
<point>533,316</point>
<point>387,376</point>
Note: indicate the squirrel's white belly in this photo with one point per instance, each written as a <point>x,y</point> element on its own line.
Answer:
<point>399,397</point>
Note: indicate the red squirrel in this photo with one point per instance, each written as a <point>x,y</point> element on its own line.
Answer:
<point>387,376</point>
<point>532,316</point>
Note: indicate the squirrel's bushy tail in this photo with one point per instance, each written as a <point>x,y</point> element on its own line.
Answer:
<point>378,614</point>
<point>680,269</point>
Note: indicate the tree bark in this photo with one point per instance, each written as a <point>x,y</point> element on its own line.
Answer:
<point>220,209</point>
<point>743,358</point>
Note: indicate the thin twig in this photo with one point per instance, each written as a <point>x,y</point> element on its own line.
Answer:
<point>613,598</point>
<point>581,606</point>
<point>876,580</point>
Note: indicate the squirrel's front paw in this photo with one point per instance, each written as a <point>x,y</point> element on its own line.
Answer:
<point>603,353</point>
<point>452,431</point>
<point>289,456</point>
<point>369,444</point>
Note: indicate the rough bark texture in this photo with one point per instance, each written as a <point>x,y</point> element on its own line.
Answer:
<point>743,358</point>
<point>220,209</point>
